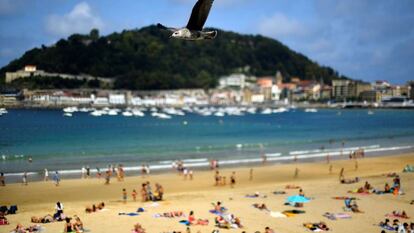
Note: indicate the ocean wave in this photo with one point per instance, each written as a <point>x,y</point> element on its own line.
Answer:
<point>203,162</point>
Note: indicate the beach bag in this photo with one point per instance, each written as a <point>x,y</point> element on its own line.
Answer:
<point>13,209</point>
<point>3,209</point>
<point>4,222</point>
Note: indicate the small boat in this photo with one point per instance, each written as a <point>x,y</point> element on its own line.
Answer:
<point>370,112</point>
<point>280,110</point>
<point>112,112</point>
<point>67,114</point>
<point>138,113</point>
<point>266,111</point>
<point>312,110</point>
<point>96,113</point>
<point>219,114</point>
<point>127,114</point>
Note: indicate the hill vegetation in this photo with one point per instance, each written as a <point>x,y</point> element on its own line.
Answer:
<point>147,59</point>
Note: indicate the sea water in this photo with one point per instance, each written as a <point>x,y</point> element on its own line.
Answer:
<point>66,144</point>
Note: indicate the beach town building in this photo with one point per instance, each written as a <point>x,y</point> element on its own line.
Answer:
<point>32,71</point>
<point>117,99</point>
<point>237,81</point>
<point>10,97</point>
<point>411,87</point>
<point>371,96</point>
<point>343,89</point>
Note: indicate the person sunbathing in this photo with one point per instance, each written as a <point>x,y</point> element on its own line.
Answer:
<point>218,208</point>
<point>316,226</point>
<point>403,214</point>
<point>386,223</point>
<point>20,229</point>
<point>138,229</point>
<point>95,208</point>
<point>354,207</point>
<point>387,188</point>
<point>193,221</point>
<point>260,206</point>
<point>367,186</point>
<point>349,181</point>
<point>78,225</point>
<point>46,219</point>
<point>268,230</point>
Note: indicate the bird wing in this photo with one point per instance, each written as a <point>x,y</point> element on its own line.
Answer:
<point>199,15</point>
<point>160,26</point>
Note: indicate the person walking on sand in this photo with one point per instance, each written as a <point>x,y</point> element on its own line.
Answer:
<point>296,172</point>
<point>88,172</point>
<point>107,177</point>
<point>190,174</point>
<point>134,195</point>
<point>341,174</point>
<point>46,177</point>
<point>24,178</point>
<point>356,164</point>
<point>56,178</point>
<point>251,174</point>
<point>124,196</point>
<point>217,178</point>
<point>233,179</point>
<point>2,180</point>
<point>98,173</point>
<point>83,172</point>
<point>330,169</point>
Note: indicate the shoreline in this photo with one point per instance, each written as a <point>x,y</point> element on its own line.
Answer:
<point>311,156</point>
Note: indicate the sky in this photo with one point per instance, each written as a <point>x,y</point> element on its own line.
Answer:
<point>362,39</point>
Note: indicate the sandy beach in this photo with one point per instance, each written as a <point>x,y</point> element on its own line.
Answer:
<point>39,198</point>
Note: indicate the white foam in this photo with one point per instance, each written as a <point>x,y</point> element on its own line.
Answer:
<point>203,162</point>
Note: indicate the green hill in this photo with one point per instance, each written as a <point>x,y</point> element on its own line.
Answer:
<point>148,59</point>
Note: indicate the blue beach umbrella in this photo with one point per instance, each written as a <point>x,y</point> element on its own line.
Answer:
<point>297,199</point>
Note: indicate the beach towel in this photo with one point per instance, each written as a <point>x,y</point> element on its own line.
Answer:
<point>174,214</point>
<point>129,214</point>
<point>275,214</point>
<point>342,198</point>
<point>336,216</point>
<point>386,227</point>
<point>216,212</point>
<point>396,216</point>
<point>356,192</point>
<point>408,168</point>
<point>313,227</point>
<point>153,204</point>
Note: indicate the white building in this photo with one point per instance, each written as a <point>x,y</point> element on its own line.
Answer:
<point>276,91</point>
<point>117,99</point>
<point>258,98</point>
<point>234,81</point>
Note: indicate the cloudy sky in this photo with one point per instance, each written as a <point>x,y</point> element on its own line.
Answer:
<point>363,39</point>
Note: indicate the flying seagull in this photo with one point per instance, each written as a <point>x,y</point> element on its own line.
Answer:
<point>194,28</point>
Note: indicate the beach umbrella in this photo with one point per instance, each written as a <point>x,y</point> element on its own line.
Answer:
<point>297,199</point>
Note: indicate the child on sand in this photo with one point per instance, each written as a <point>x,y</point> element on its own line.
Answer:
<point>124,195</point>
<point>134,195</point>
<point>107,177</point>
<point>24,178</point>
<point>233,179</point>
